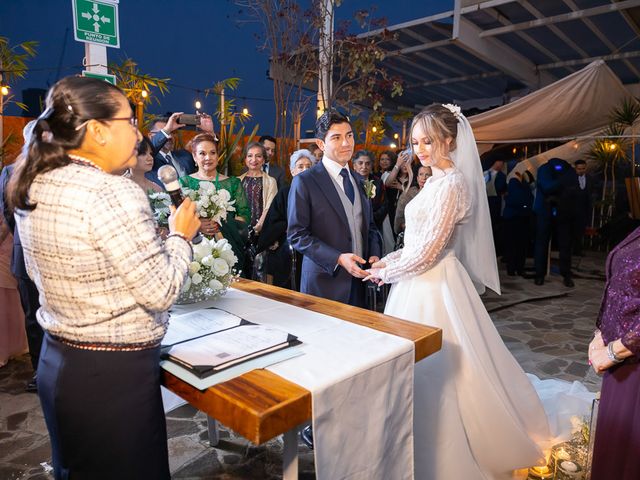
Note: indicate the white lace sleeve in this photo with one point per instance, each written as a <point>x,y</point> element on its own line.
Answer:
<point>429,235</point>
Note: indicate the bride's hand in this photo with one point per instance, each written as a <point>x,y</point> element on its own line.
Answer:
<point>373,274</point>
<point>379,264</point>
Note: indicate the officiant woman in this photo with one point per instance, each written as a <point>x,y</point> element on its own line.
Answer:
<point>105,280</point>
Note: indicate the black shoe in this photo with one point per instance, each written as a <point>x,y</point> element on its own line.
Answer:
<point>568,282</point>
<point>32,386</point>
<point>511,273</point>
<point>539,281</point>
<point>307,436</point>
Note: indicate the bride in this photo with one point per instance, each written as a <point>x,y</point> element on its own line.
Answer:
<point>476,414</point>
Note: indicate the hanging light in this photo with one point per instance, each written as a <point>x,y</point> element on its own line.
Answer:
<point>245,111</point>
<point>198,105</point>
<point>514,150</point>
<point>374,129</point>
<point>4,90</point>
<point>612,146</point>
<point>144,94</point>
<point>393,145</point>
<point>396,136</point>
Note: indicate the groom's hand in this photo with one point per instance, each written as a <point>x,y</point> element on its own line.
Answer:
<point>350,261</point>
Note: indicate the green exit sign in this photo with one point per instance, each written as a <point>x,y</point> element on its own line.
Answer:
<point>96,22</point>
<point>107,77</point>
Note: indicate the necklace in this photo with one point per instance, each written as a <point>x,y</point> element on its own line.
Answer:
<point>77,159</point>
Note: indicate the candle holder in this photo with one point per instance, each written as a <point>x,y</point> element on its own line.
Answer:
<point>540,473</point>
<point>568,470</point>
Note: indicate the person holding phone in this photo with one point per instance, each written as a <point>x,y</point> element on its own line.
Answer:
<point>106,281</point>
<point>161,137</point>
<point>397,181</point>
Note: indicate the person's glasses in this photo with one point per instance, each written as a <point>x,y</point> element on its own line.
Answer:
<point>132,120</point>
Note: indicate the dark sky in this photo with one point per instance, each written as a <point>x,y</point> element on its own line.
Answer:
<point>193,42</point>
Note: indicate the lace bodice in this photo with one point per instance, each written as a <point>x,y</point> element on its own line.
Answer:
<point>430,219</point>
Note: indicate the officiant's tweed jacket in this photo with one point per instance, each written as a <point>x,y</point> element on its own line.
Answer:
<point>91,247</point>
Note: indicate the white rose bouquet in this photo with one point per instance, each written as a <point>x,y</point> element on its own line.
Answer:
<point>211,202</point>
<point>211,271</point>
<point>160,203</point>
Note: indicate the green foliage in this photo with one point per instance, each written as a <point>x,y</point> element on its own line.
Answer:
<point>607,151</point>
<point>13,59</point>
<point>133,82</point>
<point>230,104</point>
<point>626,113</point>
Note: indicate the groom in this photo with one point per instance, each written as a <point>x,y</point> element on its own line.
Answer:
<point>330,219</point>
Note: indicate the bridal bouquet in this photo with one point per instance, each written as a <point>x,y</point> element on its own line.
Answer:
<point>160,203</point>
<point>211,202</point>
<point>211,271</point>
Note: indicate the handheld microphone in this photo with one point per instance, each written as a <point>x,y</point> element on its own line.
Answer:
<point>169,178</point>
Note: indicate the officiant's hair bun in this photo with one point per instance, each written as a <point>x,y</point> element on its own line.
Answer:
<point>70,104</point>
<point>439,123</point>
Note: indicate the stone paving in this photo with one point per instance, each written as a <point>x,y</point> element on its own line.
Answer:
<point>547,329</point>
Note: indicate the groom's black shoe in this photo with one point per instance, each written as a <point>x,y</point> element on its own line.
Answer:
<point>568,282</point>
<point>539,281</point>
<point>307,436</point>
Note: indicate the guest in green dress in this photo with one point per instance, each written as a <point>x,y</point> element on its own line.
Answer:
<point>204,148</point>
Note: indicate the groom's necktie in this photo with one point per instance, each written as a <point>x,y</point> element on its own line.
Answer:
<point>348,187</point>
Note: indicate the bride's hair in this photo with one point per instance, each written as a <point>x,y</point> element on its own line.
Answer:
<point>439,123</point>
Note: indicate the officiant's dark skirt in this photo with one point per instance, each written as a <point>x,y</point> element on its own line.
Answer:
<point>616,453</point>
<point>104,412</point>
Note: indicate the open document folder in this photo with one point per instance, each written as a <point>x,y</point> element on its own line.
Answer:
<point>219,341</point>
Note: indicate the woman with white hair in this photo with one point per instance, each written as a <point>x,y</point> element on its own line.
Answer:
<point>273,238</point>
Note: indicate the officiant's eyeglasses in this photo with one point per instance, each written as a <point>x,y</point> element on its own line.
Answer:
<point>132,120</point>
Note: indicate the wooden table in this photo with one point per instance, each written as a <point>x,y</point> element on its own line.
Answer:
<point>260,405</point>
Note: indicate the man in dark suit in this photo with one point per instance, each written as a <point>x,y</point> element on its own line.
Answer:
<point>160,136</point>
<point>496,182</point>
<point>584,198</point>
<point>555,205</point>
<point>271,168</point>
<point>331,220</point>
<point>29,297</point>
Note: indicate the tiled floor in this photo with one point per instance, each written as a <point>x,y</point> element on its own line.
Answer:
<point>547,329</point>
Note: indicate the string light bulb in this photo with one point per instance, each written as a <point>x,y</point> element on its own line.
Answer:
<point>144,94</point>
<point>396,136</point>
<point>4,90</point>
<point>245,111</point>
<point>374,129</point>
<point>198,105</point>
<point>393,145</point>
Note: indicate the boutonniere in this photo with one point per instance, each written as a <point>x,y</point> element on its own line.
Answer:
<point>369,188</point>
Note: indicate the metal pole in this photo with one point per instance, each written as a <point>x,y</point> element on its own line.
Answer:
<point>140,113</point>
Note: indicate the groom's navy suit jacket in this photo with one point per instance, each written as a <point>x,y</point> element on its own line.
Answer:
<point>319,230</point>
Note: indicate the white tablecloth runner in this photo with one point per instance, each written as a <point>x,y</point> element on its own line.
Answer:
<point>361,382</point>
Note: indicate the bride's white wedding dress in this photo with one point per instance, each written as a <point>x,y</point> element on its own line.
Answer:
<point>476,414</point>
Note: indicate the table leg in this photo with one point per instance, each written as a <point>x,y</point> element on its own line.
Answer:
<point>290,455</point>
<point>212,427</point>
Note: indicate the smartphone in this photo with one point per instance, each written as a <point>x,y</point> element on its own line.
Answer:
<point>189,119</point>
<point>407,154</point>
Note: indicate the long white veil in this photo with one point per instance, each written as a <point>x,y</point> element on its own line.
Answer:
<point>473,242</point>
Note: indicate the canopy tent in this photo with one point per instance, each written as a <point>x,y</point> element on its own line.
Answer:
<point>573,107</point>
